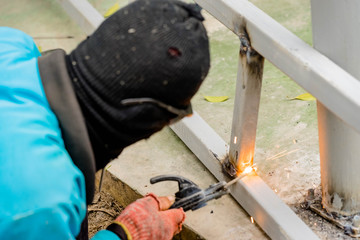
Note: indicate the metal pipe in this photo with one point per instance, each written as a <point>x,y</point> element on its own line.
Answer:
<point>335,35</point>
<point>246,107</point>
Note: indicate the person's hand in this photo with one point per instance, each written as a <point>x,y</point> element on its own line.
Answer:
<point>148,218</point>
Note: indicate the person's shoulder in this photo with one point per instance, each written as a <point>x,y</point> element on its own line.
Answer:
<point>8,34</point>
<point>15,40</point>
<point>13,31</point>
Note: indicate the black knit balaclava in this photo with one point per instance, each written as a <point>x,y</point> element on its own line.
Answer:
<point>151,48</point>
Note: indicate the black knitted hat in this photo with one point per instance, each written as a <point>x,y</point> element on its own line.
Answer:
<point>151,48</point>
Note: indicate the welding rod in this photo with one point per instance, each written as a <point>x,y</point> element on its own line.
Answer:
<point>53,37</point>
<point>235,180</point>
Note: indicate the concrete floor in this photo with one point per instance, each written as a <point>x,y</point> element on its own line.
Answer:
<point>285,125</point>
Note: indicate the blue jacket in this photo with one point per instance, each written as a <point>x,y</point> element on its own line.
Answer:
<point>42,191</point>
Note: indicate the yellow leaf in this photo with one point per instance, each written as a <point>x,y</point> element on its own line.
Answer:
<point>216,98</point>
<point>112,10</point>
<point>305,97</point>
<point>39,47</point>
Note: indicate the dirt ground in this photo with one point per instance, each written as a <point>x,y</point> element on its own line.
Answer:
<point>102,212</point>
<point>324,229</point>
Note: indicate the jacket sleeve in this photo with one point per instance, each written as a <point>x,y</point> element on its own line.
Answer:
<point>42,192</point>
<point>105,235</point>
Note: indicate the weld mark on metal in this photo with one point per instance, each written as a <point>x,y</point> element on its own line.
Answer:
<point>228,167</point>
<point>350,224</point>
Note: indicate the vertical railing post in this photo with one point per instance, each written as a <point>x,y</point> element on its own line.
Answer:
<point>335,34</point>
<point>246,108</point>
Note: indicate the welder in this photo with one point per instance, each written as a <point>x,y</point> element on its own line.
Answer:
<point>65,116</point>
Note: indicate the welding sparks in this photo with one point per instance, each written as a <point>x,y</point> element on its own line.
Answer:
<point>277,154</point>
<point>252,220</point>
<point>282,154</point>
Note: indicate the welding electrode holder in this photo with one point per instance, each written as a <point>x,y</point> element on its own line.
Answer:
<point>190,196</point>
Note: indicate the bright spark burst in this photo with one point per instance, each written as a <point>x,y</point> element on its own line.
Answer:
<point>244,173</point>
<point>248,169</point>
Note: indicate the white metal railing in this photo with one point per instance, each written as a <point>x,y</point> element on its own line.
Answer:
<point>309,68</point>
<point>302,63</point>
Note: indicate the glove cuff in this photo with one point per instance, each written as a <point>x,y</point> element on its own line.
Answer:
<point>132,227</point>
<point>120,230</point>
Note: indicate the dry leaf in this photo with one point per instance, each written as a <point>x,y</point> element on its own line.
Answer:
<point>112,10</point>
<point>216,98</point>
<point>305,97</point>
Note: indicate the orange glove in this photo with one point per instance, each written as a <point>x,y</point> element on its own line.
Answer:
<point>148,219</point>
